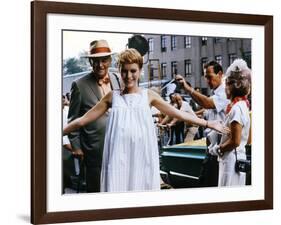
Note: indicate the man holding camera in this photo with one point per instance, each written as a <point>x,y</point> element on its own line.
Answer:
<point>215,106</point>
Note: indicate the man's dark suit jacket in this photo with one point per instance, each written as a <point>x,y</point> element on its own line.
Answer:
<point>85,93</point>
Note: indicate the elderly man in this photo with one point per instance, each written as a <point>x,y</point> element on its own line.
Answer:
<point>85,93</point>
<point>215,106</point>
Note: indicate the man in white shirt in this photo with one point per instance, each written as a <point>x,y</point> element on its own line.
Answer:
<point>215,105</point>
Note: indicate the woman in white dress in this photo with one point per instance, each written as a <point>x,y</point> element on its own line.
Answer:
<point>238,120</point>
<point>131,158</point>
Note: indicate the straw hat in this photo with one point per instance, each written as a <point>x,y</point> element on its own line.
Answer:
<point>99,48</point>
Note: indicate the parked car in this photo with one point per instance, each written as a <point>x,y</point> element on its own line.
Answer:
<point>180,164</point>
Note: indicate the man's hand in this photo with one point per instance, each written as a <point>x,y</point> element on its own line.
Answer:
<point>78,153</point>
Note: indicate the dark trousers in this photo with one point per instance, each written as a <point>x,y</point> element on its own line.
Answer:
<point>93,178</point>
<point>92,163</point>
<point>68,169</point>
<point>209,173</point>
<point>179,132</point>
<point>172,132</point>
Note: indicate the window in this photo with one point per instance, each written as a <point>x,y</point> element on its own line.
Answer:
<point>164,69</point>
<point>150,43</point>
<point>217,40</point>
<point>174,68</point>
<point>188,68</point>
<point>187,42</point>
<point>218,59</point>
<point>163,43</point>
<point>204,41</point>
<point>232,57</point>
<point>248,58</point>
<point>173,42</point>
<point>203,62</point>
<point>151,72</point>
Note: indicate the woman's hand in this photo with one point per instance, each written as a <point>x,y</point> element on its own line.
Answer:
<point>219,127</point>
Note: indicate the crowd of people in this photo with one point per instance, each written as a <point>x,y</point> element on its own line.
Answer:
<point>110,125</point>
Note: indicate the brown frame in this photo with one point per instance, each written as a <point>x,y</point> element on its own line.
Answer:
<point>39,11</point>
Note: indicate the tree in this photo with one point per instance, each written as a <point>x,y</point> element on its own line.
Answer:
<point>71,65</point>
<point>76,65</point>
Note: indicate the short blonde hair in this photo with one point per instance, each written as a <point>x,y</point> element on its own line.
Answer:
<point>130,56</point>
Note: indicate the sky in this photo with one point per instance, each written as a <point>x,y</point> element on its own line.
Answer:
<point>75,42</point>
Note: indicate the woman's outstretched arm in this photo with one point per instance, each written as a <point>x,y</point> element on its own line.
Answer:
<point>167,109</point>
<point>94,113</point>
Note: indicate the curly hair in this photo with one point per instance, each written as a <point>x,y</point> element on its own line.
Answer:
<point>130,56</point>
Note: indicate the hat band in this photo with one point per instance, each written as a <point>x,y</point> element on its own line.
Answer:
<point>100,50</point>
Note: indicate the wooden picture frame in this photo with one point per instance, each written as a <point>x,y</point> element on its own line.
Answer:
<point>39,12</point>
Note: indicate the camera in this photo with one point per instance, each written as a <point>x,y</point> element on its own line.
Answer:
<point>242,165</point>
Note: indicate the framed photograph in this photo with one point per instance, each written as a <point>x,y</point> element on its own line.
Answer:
<point>61,34</point>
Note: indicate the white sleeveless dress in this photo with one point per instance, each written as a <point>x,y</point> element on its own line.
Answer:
<point>130,157</point>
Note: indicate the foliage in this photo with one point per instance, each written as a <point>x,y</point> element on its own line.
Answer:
<point>75,65</point>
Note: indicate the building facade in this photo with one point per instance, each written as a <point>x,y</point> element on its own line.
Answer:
<point>186,55</point>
